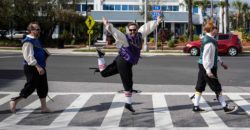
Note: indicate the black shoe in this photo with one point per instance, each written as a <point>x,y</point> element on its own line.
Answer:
<point>100,53</point>
<point>198,109</point>
<point>231,109</point>
<point>129,107</point>
<point>95,69</point>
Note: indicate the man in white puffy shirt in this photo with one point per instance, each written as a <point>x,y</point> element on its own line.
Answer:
<point>208,69</point>
<point>130,45</point>
<point>34,69</point>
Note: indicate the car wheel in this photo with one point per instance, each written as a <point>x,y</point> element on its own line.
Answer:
<point>194,51</point>
<point>232,51</point>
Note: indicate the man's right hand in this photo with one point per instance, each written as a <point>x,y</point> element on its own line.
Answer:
<point>211,75</point>
<point>40,70</point>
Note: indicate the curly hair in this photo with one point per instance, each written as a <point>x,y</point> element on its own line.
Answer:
<point>209,27</point>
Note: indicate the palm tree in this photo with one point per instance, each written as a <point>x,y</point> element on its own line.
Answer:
<point>189,5</point>
<point>245,12</point>
<point>227,16</point>
<point>222,4</point>
<point>203,5</point>
<point>238,6</point>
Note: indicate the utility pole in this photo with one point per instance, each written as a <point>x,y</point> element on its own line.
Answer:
<point>145,21</point>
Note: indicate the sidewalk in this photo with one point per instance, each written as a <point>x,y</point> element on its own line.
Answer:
<point>109,51</point>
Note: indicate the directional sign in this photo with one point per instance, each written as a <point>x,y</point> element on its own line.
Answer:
<point>156,11</point>
<point>90,22</point>
<point>90,31</point>
<point>156,7</point>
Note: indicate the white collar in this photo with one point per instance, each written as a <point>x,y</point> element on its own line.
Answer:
<point>209,34</point>
<point>31,36</point>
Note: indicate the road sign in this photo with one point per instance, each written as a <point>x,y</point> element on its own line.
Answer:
<point>90,22</point>
<point>156,11</point>
<point>156,7</point>
<point>90,31</point>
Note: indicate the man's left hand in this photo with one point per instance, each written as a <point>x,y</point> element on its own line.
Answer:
<point>224,66</point>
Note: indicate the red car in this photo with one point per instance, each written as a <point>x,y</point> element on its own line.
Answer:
<point>228,44</point>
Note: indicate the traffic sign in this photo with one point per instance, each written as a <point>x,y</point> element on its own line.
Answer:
<point>156,11</point>
<point>156,7</point>
<point>90,22</point>
<point>90,31</point>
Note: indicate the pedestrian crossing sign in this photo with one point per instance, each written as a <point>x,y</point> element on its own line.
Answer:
<point>90,22</point>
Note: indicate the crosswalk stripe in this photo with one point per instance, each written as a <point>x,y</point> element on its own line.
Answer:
<point>67,115</point>
<point>114,115</point>
<point>211,118</point>
<point>15,118</point>
<point>161,112</point>
<point>6,99</point>
<point>241,102</point>
<point>112,118</point>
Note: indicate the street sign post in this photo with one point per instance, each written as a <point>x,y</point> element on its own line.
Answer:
<point>90,22</point>
<point>155,13</point>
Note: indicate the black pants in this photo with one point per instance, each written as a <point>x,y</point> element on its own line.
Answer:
<point>213,83</point>
<point>124,68</point>
<point>34,82</point>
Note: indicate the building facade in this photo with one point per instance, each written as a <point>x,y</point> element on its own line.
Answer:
<point>120,12</point>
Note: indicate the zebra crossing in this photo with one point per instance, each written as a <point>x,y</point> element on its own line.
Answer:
<point>105,110</point>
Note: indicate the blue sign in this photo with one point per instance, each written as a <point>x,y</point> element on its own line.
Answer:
<point>156,11</point>
<point>156,7</point>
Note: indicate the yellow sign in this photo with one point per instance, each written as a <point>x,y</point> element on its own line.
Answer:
<point>90,31</point>
<point>90,22</point>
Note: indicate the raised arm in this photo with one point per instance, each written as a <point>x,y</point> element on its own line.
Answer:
<point>118,36</point>
<point>149,27</point>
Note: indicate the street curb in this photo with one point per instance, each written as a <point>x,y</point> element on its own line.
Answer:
<point>109,52</point>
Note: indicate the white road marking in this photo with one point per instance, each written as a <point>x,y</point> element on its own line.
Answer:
<point>111,121</point>
<point>211,118</point>
<point>67,115</point>
<point>15,118</point>
<point>114,115</point>
<point>6,98</point>
<point>161,112</point>
<point>241,102</point>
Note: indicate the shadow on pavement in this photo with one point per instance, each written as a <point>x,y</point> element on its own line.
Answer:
<point>9,75</point>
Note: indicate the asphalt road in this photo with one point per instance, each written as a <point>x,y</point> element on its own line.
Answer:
<point>171,70</point>
<point>83,100</point>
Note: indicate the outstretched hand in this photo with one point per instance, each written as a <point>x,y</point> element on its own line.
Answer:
<point>159,18</point>
<point>105,20</point>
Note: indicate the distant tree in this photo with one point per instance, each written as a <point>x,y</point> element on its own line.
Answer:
<point>245,14</point>
<point>238,6</point>
<point>222,5</point>
<point>6,14</point>
<point>190,20</point>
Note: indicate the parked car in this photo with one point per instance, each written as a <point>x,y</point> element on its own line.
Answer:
<point>2,34</point>
<point>228,44</point>
<point>17,35</point>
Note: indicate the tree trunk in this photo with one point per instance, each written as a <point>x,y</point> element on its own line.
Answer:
<point>227,16</point>
<point>222,16</point>
<point>190,20</point>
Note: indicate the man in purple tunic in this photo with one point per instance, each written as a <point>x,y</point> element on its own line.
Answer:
<point>130,46</point>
